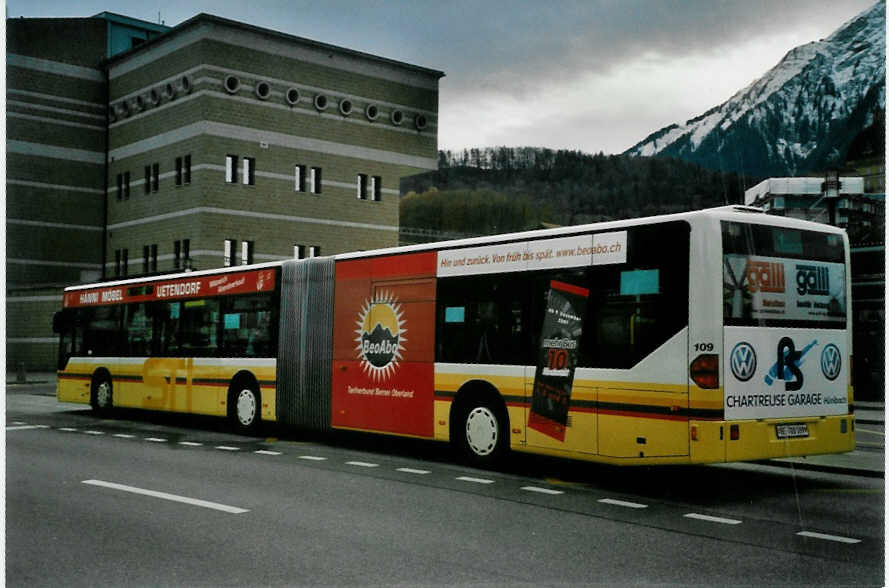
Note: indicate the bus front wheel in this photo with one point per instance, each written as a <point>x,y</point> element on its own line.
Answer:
<point>102,394</point>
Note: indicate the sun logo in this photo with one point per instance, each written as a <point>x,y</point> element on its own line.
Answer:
<point>380,335</point>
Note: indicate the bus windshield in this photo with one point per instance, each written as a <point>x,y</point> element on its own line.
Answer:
<point>782,277</point>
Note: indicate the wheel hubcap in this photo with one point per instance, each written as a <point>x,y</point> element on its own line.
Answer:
<point>103,394</point>
<point>481,431</point>
<point>246,407</point>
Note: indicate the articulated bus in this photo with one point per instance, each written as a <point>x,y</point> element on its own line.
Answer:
<point>709,336</point>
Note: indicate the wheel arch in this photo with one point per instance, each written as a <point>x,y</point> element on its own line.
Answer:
<point>241,379</point>
<point>480,391</point>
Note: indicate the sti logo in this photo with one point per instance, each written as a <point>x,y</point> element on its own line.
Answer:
<point>831,362</point>
<point>380,335</point>
<point>743,361</point>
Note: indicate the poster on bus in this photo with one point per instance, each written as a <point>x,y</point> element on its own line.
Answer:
<point>557,358</point>
<point>775,288</point>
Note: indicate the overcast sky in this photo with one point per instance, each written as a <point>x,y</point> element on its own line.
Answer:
<point>593,75</point>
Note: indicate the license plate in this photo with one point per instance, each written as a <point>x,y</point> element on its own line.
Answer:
<point>792,430</point>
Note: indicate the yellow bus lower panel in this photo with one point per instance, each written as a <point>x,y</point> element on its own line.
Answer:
<point>73,389</point>
<point>759,439</point>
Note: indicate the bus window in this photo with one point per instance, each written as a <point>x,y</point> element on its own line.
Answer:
<point>138,330</point>
<point>637,306</point>
<point>101,331</point>
<point>199,323</point>
<point>480,319</point>
<point>247,326</point>
<point>166,330</point>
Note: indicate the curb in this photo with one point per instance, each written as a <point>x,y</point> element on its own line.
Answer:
<point>816,467</point>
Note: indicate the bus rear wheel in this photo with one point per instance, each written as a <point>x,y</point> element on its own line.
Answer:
<point>480,433</point>
<point>244,408</point>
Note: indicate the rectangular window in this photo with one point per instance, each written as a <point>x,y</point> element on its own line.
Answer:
<point>314,251</point>
<point>147,179</point>
<point>102,330</point>
<point>315,180</point>
<point>782,277</point>
<point>125,261</point>
<point>249,171</point>
<point>299,251</point>
<point>248,326</point>
<point>155,176</point>
<point>119,187</point>
<point>178,171</point>
<point>187,178</point>
<point>377,188</point>
<point>153,257</point>
<point>299,178</point>
<point>116,262</point>
<point>138,330</point>
<point>126,185</point>
<point>362,187</point>
<point>186,254</point>
<point>145,255</point>
<point>231,169</point>
<point>228,252</point>
<point>199,325</point>
<point>177,253</point>
<point>246,252</point>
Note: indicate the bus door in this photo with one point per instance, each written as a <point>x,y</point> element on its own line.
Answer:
<point>636,342</point>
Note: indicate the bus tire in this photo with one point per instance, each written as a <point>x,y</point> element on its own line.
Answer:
<point>244,407</point>
<point>102,393</point>
<point>480,431</point>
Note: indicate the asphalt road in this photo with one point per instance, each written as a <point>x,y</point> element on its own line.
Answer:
<point>151,500</point>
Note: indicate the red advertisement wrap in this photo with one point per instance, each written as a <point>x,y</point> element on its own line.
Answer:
<point>383,364</point>
<point>178,289</point>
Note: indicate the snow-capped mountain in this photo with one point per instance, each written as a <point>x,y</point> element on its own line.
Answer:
<point>800,117</point>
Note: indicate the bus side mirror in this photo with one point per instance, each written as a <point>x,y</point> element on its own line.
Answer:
<point>61,321</point>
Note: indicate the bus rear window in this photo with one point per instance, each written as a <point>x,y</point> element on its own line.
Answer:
<point>775,276</point>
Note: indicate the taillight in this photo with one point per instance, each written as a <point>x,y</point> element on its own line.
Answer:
<point>704,371</point>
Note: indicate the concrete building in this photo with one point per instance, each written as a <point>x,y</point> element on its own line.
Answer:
<point>137,148</point>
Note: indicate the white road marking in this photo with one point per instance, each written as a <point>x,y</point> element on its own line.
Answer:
<point>413,471</point>
<point>227,448</point>
<point>475,480</point>
<point>124,436</point>
<point>542,490</point>
<point>26,427</point>
<point>815,535</point>
<point>267,452</point>
<point>166,496</point>
<point>155,439</point>
<point>623,503</point>
<point>94,432</point>
<point>68,429</point>
<point>17,423</point>
<point>363,464</point>
<point>191,443</point>
<point>312,458</point>
<point>709,519</point>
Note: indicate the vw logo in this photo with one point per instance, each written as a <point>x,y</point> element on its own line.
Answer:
<point>831,362</point>
<point>743,361</point>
